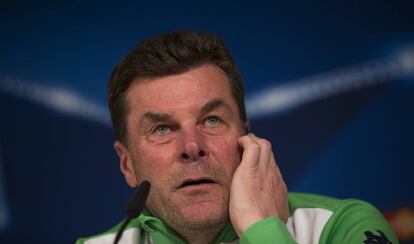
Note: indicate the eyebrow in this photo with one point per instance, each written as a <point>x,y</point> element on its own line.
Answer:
<point>205,109</point>
<point>155,117</point>
<point>215,104</point>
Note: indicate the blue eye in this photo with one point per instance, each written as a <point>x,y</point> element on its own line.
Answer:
<point>212,121</point>
<point>162,129</point>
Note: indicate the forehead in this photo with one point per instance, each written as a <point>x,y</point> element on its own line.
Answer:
<point>186,91</point>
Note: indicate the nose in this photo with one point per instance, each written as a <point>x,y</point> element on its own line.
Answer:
<point>193,146</point>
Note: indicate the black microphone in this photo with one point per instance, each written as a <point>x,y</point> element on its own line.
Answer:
<point>135,206</point>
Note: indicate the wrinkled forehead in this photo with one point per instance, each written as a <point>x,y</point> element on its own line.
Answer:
<point>189,91</point>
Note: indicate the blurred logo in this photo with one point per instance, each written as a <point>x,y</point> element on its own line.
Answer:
<point>373,238</point>
<point>402,222</point>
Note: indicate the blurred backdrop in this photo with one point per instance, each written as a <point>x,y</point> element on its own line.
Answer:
<point>329,83</point>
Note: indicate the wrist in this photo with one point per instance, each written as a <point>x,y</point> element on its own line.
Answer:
<point>247,221</point>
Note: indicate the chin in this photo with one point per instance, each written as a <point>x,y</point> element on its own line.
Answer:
<point>204,215</point>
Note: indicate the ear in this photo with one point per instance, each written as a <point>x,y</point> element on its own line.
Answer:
<point>125,164</point>
<point>247,128</point>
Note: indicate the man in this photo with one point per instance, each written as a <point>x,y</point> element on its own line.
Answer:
<point>177,107</point>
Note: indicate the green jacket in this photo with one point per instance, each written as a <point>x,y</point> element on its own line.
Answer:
<point>313,219</point>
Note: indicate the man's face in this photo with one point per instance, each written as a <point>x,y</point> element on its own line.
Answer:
<point>182,137</point>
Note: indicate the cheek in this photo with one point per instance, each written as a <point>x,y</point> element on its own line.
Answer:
<point>151,164</point>
<point>154,167</point>
<point>227,152</point>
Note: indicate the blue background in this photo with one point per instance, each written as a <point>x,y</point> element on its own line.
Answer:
<point>59,176</point>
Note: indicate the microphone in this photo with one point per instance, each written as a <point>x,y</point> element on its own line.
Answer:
<point>134,206</point>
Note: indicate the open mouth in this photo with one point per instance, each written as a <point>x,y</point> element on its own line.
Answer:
<point>197,182</point>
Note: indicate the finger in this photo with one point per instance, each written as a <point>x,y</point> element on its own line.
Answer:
<point>265,151</point>
<point>280,177</point>
<point>273,162</point>
<point>251,151</point>
<point>274,167</point>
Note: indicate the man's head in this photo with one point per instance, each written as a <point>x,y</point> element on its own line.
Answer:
<point>169,54</point>
<point>177,105</point>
